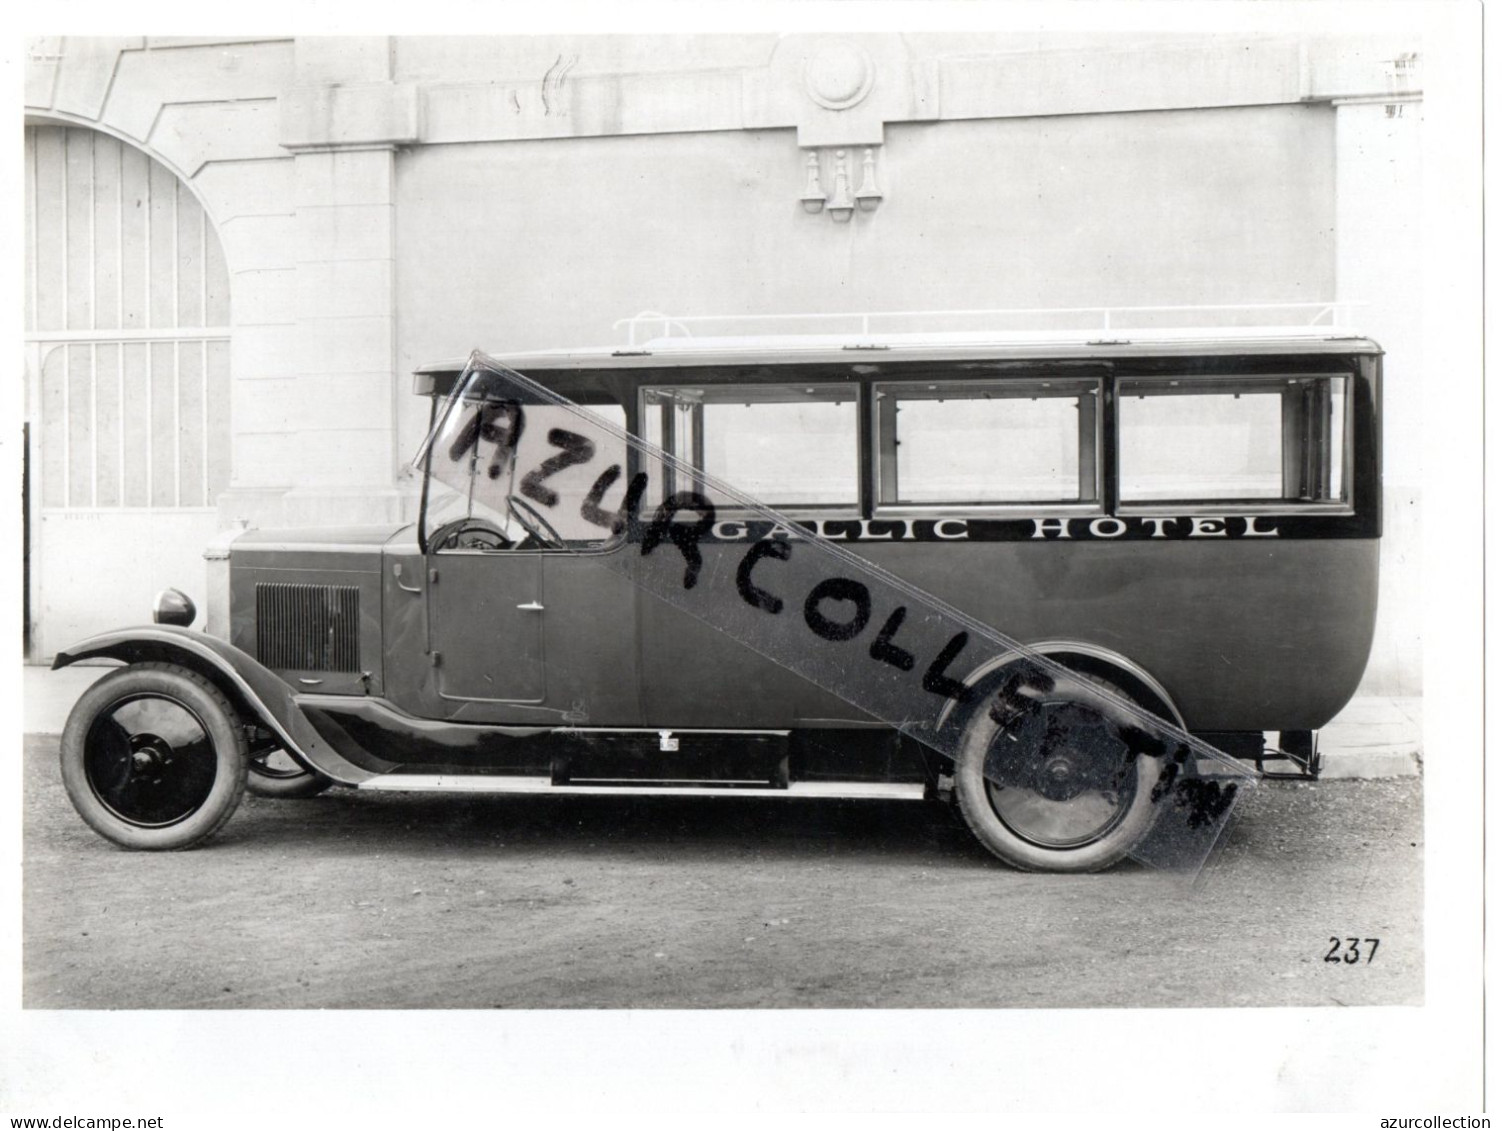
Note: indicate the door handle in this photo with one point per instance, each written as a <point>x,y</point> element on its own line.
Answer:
<point>531,607</point>
<point>396,570</point>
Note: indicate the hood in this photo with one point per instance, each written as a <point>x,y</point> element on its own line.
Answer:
<point>324,538</point>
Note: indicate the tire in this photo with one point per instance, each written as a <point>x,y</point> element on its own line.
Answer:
<point>277,775</point>
<point>154,757</point>
<point>1071,797</point>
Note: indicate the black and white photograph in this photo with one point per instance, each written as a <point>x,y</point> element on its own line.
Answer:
<point>796,558</point>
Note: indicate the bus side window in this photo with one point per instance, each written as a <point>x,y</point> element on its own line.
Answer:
<point>784,445</point>
<point>1265,439</point>
<point>985,443</point>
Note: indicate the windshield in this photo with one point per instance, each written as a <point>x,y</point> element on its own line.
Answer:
<point>474,497</point>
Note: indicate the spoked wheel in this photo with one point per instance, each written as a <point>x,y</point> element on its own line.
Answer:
<point>275,773</point>
<point>1057,787</point>
<point>153,757</point>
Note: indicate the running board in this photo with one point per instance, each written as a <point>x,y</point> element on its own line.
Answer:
<point>495,783</point>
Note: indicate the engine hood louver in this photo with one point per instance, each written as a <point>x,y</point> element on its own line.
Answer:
<point>308,627</point>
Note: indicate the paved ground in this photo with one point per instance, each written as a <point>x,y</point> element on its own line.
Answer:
<point>390,901</point>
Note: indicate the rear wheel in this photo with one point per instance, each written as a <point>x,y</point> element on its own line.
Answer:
<point>277,774</point>
<point>154,757</point>
<point>1057,787</point>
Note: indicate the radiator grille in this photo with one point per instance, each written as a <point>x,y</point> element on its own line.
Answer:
<point>308,627</point>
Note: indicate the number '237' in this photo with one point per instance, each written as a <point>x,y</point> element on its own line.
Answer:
<point>1352,952</point>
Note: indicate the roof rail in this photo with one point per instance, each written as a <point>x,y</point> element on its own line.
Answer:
<point>651,324</point>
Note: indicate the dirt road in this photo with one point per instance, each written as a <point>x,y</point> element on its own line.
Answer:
<point>392,901</point>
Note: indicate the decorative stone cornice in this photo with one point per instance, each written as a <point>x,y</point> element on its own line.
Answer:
<point>835,90</point>
<point>380,115</point>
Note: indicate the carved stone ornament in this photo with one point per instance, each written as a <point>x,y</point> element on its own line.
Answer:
<point>838,76</point>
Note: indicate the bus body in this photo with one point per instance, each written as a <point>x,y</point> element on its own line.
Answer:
<point>1254,612</point>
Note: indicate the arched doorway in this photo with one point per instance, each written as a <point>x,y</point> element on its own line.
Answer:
<point>127,333</point>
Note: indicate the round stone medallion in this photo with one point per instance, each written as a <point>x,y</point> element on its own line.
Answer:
<point>838,76</point>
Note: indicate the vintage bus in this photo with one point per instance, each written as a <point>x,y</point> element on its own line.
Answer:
<point>1185,519</point>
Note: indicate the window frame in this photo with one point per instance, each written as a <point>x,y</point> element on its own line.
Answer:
<point>882,448</point>
<point>1233,383</point>
<point>439,409</point>
<point>760,391</point>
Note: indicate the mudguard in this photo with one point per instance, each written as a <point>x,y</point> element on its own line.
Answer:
<point>1110,663</point>
<point>255,689</point>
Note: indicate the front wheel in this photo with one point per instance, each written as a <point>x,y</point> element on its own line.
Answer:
<point>1055,787</point>
<point>154,757</point>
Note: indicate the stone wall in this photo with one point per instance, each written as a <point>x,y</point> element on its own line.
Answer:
<point>382,202</point>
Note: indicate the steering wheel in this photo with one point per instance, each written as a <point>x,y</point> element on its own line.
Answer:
<point>474,534</point>
<point>530,520</point>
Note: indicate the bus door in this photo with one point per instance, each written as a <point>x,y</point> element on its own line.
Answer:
<point>485,601</point>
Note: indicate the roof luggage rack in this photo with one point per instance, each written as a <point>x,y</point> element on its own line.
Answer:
<point>652,325</point>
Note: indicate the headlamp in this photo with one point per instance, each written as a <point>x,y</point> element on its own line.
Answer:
<point>172,606</point>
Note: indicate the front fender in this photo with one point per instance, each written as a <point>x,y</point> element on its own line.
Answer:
<point>255,689</point>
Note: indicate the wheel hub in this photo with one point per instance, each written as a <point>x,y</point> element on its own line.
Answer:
<point>1060,774</point>
<point>1059,777</point>
<point>149,753</point>
<point>149,760</point>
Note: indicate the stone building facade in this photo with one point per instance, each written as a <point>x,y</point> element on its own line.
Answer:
<point>239,249</point>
